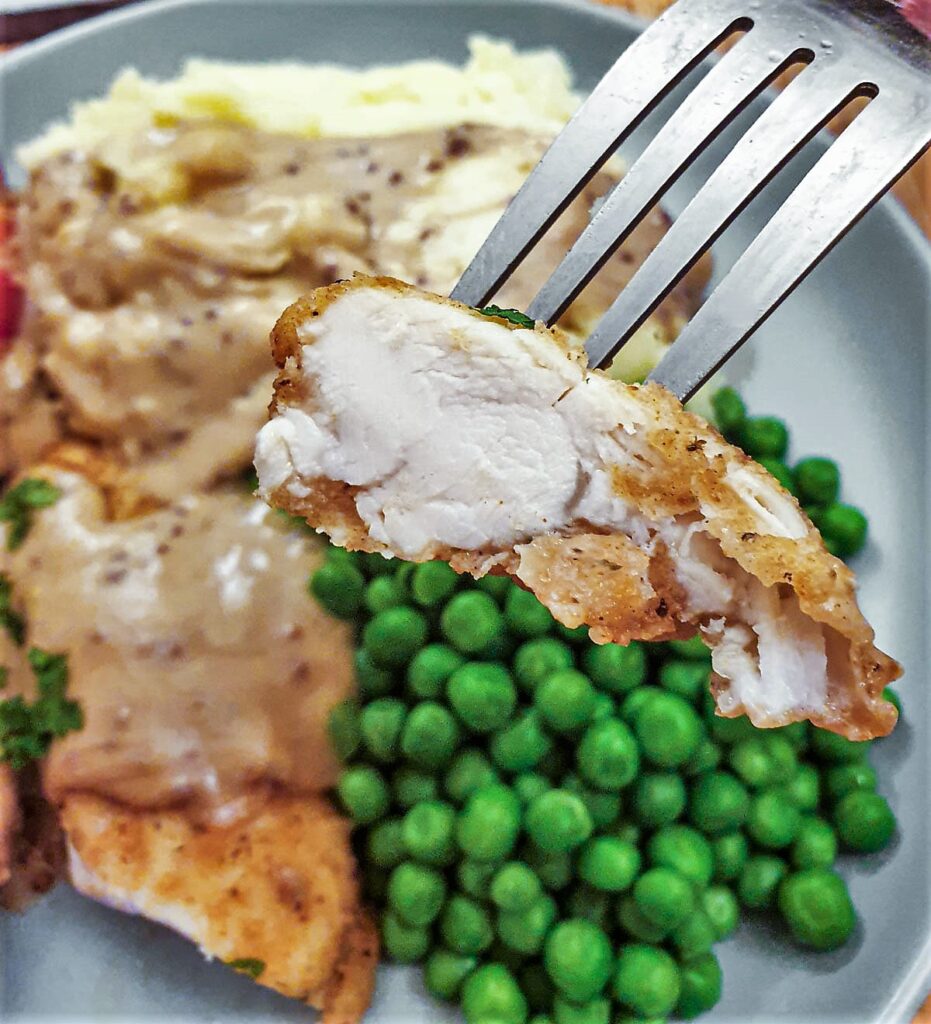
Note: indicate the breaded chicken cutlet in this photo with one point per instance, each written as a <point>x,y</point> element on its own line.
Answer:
<point>414,426</point>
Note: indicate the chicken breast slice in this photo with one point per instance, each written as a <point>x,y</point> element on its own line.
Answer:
<point>278,890</point>
<point>411,425</point>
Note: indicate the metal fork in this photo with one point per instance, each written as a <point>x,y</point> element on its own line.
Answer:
<point>854,48</point>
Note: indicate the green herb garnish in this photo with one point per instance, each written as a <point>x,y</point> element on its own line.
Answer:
<point>513,316</point>
<point>18,504</point>
<point>10,620</point>
<point>248,965</point>
<point>27,729</point>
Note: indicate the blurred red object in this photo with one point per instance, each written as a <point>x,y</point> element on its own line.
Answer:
<point>918,13</point>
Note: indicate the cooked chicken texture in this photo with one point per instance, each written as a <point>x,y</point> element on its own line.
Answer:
<point>279,889</point>
<point>412,425</point>
<point>9,822</point>
<point>132,298</point>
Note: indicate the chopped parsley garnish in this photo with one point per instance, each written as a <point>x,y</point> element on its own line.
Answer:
<point>513,316</point>
<point>27,729</point>
<point>10,620</point>
<point>18,504</point>
<point>248,965</point>
<point>250,479</point>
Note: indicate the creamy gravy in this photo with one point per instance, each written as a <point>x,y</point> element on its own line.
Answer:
<point>205,670</point>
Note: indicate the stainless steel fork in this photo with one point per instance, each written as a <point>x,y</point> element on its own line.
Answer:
<point>850,49</point>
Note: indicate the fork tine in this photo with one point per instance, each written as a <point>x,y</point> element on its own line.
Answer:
<point>858,168</point>
<point>739,76</point>
<point>795,116</point>
<point>650,67</point>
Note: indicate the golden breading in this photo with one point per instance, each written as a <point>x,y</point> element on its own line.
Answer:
<point>412,425</point>
<point>9,821</point>
<point>279,888</point>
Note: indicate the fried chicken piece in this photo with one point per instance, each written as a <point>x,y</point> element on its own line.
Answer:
<point>412,425</point>
<point>9,822</point>
<point>278,890</point>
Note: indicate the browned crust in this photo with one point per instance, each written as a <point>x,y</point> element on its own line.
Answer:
<point>280,888</point>
<point>9,821</point>
<point>683,475</point>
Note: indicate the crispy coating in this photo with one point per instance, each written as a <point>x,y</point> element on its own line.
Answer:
<point>9,821</point>
<point>279,888</point>
<point>682,481</point>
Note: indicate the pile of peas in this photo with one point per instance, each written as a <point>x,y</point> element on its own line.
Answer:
<point>560,832</point>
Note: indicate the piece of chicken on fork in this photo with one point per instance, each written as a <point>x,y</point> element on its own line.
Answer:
<point>414,426</point>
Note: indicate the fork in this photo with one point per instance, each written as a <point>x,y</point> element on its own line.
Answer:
<point>846,50</point>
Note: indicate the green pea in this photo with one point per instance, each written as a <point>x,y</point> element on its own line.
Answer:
<point>338,587</point>
<point>829,748</point>
<point>693,649</point>
<point>465,926</point>
<point>474,877</point>
<point>815,845</point>
<point>565,700</point>
<point>632,920</point>
<point>427,832</point>
<point>525,615</point>
<point>574,634</point>
<point>482,694</point>
<point>445,972</point>
<point>684,850</point>
<point>430,735</point>
<point>706,758</point>
<point>750,760</point>
<point>344,729</point>
<point>647,980</point>
<point>524,931</point>
<point>429,670</point>
<point>782,756</point>
<point>469,770</point>
<point>471,620</point>
<point>537,986</point>
<point>664,897</point>
<point>615,668</point>
<point>701,986</point>
<point>629,832</point>
<point>604,707</point>
<point>489,823</point>
<point>846,778</point>
<point>894,699</point>
<point>694,936</point>
<point>558,821</point>
<point>659,798</point>
<point>491,993</point>
<point>579,959</point>
<point>515,887</point>
<point>817,481</point>
<point>609,864</point>
<point>555,870</point>
<point>846,526</point>
<point>501,649</point>
<point>797,733</point>
<point>403,942</point>
<point>374,563</point>
<point>497,587</point>
<point>364,794</point>
<point>410,786</point>
<point>537,659</point>
<point>521,745</point>
<point>432,583</point>
<point>759,880</point>
<point>729,411</point>
<point>374,680</point>
<point>608,756</point>
<point>718,803</point>
<point>604,808</point>
<point>773,821</point>
<point>817,908</point>
<point>728,730</point>
<point>590,905</point>
<point>804,788</point>
<point>778,469</point>
<point>381,593</point>
<point>394,636</point>
<point>529,785</point>
<point>668,730</point>
<point>686,679</point>
<point>730,854</point>
<point>555,764</point>
<point>864,821</point>
<point>636,701</point>
<point>416,893</point>
<point>381,723</point>
<point>722,910</point>
<point>595,1011</point>
<point>764,437</point>
<point>384,845</point>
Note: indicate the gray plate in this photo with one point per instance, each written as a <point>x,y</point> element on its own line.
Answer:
<point>845,361</point>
